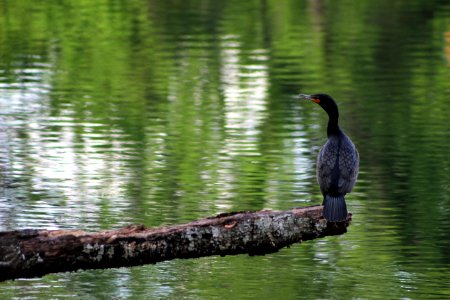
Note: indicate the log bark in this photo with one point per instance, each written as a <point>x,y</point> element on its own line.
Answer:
<point>33,253</point>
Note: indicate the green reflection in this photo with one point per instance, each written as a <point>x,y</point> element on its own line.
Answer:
<point>161,112</point>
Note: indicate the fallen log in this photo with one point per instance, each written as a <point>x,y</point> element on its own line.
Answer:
<point>33,253</point>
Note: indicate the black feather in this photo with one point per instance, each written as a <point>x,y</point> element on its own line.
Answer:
<point>334,208</point>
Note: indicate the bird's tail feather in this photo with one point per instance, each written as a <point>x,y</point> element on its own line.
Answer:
<point>334,208</point>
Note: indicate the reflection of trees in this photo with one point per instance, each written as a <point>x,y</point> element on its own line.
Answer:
<point>196,96</point>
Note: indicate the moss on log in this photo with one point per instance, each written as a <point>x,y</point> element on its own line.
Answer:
<point>34,253</point>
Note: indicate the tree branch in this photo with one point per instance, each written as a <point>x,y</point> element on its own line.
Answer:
<point>33,253</point>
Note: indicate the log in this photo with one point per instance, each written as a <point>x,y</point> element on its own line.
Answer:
<point>34,253</point>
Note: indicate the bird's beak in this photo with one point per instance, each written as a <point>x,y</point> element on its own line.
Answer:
<point>304,96</point>
<point>308,97</point>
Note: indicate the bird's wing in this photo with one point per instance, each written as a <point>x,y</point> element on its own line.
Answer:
<point>325,163</point>
<point>348,167</point>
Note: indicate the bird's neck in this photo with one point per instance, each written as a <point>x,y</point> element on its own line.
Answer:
<point>333,126</point>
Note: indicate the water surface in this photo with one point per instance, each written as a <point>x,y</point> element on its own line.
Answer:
<point>163,112</point>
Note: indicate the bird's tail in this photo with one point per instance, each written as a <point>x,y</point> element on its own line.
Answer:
<point>334,208</point>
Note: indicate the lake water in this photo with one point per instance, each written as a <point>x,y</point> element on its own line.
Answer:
<point>163,112</point>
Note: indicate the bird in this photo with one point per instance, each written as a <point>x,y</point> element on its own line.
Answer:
<point>337,162</point>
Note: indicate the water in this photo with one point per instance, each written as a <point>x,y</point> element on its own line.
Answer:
<point>163,112</point>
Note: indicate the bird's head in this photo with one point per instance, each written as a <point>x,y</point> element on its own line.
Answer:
<point>323,100</point>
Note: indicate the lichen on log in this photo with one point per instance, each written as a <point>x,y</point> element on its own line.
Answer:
<point>33,253</point>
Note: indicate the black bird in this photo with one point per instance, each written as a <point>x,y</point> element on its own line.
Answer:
<point>337,163</point>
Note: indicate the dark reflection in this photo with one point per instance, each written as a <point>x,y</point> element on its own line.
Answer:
<point>161,112</point>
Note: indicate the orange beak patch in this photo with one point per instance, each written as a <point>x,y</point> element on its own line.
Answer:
<point>316,100</point>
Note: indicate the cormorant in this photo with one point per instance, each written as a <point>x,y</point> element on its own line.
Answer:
<point>337,162</point>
